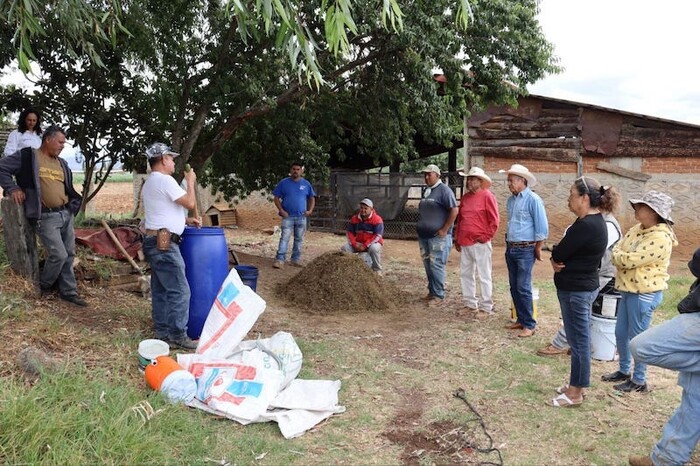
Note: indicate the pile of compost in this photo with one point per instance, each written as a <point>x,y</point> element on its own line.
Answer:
<point>337,282</point>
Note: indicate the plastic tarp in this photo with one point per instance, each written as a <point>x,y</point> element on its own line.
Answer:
<point>100,242</point>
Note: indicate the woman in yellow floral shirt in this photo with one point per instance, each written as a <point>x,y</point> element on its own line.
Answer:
<point>641,258</point>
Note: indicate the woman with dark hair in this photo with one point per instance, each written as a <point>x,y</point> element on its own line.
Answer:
<point>609,205</point>
<point>27,134</point>
<point>641,257</point>
<point>575,262</point>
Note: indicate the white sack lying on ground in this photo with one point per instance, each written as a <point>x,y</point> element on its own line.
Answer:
<point>254,380</point>
<point>244,391</point>
<point>235,310</point>
<point>280,350</point>
<point>294,422</point>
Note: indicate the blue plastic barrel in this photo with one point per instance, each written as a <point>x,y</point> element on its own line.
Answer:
<point>248,274</point>
<point>205,253</point>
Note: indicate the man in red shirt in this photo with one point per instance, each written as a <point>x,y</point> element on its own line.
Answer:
<point>364,234</point>
<point>476,224</point>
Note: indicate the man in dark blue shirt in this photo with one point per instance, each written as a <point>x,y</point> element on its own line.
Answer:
<point>437,212</point>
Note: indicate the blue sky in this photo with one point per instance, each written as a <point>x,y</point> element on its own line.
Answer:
<point>637,56</point>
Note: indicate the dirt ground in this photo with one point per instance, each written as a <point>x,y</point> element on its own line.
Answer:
<point>405,336</point>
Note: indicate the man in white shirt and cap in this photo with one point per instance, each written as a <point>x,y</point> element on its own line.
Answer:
<point>166,204</point>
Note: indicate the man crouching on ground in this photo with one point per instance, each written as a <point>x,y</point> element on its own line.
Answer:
<point>165,205</point>
<point>365,232</point>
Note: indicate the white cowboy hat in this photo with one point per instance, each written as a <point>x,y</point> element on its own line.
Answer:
<point>521,170</point>
<point>479,173</point>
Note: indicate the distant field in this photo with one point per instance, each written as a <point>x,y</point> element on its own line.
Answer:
<point>118,177</point>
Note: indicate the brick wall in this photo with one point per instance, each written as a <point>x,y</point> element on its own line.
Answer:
<point>670,165</point>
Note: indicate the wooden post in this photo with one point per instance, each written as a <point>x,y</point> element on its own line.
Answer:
<point>20,240</point>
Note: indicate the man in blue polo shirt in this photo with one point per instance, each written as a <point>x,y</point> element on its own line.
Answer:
<point>527,230</point>
<point>295,200</point>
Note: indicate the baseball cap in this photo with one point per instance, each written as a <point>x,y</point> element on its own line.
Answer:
<point>432,168</point>
<point>367,202</point>
<point>159,149</point>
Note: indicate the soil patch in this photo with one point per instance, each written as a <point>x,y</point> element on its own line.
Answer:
<point>440,442</point>
<point>336,282</point>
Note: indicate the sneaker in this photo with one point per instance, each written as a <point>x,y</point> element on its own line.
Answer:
<point>630,386</point>
<point>75,299</point>
<point>278,264</point>
<point>184,342</point>
<point>640,461</point>
<point>616,376</point>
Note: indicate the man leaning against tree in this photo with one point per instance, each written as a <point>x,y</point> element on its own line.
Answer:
<point>42,181</point>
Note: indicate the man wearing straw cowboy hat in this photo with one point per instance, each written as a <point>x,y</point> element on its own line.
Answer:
<point>527,230</point>
<point>436,214</point>
<point>476,224</point>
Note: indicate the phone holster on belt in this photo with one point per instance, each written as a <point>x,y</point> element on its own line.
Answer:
<point>163,239</point>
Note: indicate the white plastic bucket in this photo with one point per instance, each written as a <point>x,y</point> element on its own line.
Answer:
<point>151,349</point>
<point>609,307</point>
<point>603,343</point>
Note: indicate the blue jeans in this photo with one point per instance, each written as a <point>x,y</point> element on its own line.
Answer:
<point>633,317</point>
<point>170,291</point>
<point>576,312</point>
<point>56,233</point>
<point>434,252</point>
<point>289,224</point>
<point>520,262</point>
<point>675,345</point>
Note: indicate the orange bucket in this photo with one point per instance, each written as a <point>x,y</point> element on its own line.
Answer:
<point>159,369</point>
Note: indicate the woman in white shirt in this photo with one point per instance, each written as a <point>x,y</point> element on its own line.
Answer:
<point>27,134</point>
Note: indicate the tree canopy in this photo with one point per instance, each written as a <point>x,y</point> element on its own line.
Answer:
<point>237,95</point>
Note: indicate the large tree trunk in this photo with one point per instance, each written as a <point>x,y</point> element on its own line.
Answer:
<point>20,240</point>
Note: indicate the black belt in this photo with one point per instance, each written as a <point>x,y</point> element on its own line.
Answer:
<point>174,237</point>
<point>46,210</point>
<point>521,244</point>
